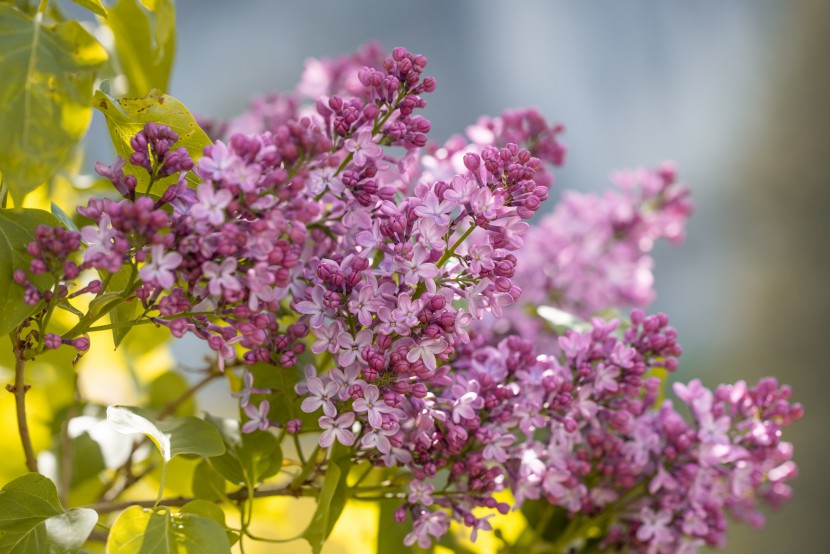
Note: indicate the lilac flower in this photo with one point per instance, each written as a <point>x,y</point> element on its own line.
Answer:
<point>221,276</point>
<point>258,417</point>
<point>337,429</point>
<point>159,270</point>
<point>653,527</point>
<point>406,314</point>
<point>420,492</point>
<point>431,523</point>
<point>495,449</point>
<point>364,304</point>
<point>606,379</point>
<point>363,147</point>
<point>376,438</point>
<point>481,523</point>
<point>211,204</point>
<point>314,307</point>
<point>322,395</point>
<point>435,209</point>
<point>217,163</point>
<point>463,407</point>
<point>418,269</point>
<point>426,351</point>
<point>350,346</point>
<point>244,394</point>
<point>346,379</point>
<point>326,338</point>
<point>259,286</point>
<point>373,405</point>
<point>98,237</point>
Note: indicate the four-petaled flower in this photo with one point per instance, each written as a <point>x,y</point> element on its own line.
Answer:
<point>258,417</point>
<point>363,147</point>
<point>321,395</point>
<point>211,204</point>
<point>159,270</point>
<point>426,351</point>
<point>336,429</point>
<point>373,405</point>
<point>221,276</point>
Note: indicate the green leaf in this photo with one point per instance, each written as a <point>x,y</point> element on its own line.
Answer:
<point>168,387</point>
<point>211,511</point>
<point>144,531</point>
<point>207,482</point>
<point>145,41</point>
<point>172,436</point>
<point>124,312</point>
<point>17,229</point>
<point>249,457</point>
<point>390,532</point>
<point>285,403</point>
<point>62,216</point>
<point>332,498</point>
<point>100,306</point>
<point>206,509</point>
<point>87,459</point>
<point>127,116</point>
<point>32,519</point>
<point>68,532</point>
<point>95,6</point>
<point>45,93</point>
<point>548,521</point>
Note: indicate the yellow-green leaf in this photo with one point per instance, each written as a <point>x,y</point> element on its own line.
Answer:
<point>140,530</point>
<point>127,116</point>
<point>45,93</point>
<point>145,41</point>
<point>95,6</point>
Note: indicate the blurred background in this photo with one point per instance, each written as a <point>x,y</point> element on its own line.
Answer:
<point>735,92</point>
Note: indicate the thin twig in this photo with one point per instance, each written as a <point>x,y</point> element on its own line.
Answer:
<point>19,390</point>
<point>241,494</point>
<point>172,406</point>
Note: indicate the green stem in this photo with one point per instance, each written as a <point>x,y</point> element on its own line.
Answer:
<point>308,468</point>
<point>444,259</point>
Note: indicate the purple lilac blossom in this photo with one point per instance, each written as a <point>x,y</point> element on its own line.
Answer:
<point>310,230</point>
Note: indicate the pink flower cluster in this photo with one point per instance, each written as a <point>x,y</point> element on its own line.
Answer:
<point>334,237</point>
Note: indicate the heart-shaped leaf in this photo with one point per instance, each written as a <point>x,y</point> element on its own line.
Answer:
<point>32,519</point>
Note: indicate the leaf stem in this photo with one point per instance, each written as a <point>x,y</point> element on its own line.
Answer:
<point>19,389</point>
<point>160,496</point>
